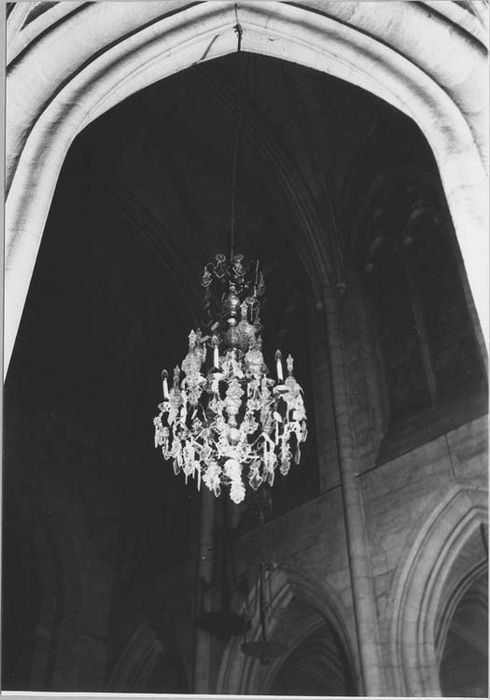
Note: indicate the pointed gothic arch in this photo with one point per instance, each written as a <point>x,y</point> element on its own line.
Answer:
<point>296,609</point>
<point>387,53</point>
<point>437,568</point>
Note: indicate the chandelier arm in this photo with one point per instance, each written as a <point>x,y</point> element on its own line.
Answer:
<point>256,441</point>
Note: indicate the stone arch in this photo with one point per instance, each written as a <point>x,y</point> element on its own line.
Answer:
<point>147,662</point>
<point>462,649</point>
<point>470,565</point>
<point>315,666</point>
<point>386,53</point>
<point>137,660</point>
<point>297,608</point>
<point>440,564</point>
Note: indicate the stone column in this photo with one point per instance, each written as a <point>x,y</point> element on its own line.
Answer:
<point>365,612</point>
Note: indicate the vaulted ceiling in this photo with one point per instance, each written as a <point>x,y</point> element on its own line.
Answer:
<point>165,156</point>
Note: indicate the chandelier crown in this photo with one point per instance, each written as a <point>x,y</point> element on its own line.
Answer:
<point>232,292</point>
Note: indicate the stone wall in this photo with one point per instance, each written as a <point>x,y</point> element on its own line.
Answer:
<point>400,496</point>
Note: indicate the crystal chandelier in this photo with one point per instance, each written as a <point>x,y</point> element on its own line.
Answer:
<point>225,421</point>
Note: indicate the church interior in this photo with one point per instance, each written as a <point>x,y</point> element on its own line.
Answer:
<point>365,567</point>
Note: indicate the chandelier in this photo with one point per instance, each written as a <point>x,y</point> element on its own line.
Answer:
<point>224,420</point>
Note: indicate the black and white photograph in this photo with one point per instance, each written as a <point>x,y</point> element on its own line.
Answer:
<point>245,350</point>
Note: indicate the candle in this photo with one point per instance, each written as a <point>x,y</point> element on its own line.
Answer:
<point>280,376</point>
<point>215,352</point>
<point>176,376</point>
<point>165,384</point>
